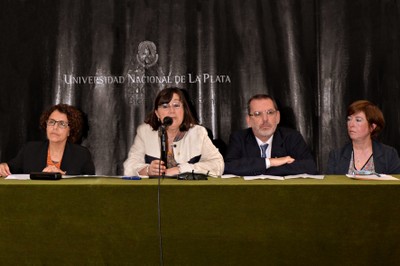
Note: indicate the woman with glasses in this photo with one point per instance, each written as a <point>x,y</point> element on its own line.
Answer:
<point>63,126</point>
<point>364,154</point>
<point>187,145</point>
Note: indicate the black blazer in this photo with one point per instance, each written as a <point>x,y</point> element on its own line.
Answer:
<point>243,156</point>
<point>76,160</point>
<point>386,159</point>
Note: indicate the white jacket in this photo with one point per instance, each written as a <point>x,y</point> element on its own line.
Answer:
<point>194,145</point>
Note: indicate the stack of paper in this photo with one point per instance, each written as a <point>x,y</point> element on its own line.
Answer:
<point>274,177</point>
<point>19,177</point>
<point>373,177</point>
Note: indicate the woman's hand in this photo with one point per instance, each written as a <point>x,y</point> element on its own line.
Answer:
<point>4,170</point>
<point>156,167</point>
<point>172,171</point>
<point>53,169</point>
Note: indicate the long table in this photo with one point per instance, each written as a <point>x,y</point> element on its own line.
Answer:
<point>109,221</point>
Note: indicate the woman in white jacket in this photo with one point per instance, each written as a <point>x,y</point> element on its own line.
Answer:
<point>188,146</point>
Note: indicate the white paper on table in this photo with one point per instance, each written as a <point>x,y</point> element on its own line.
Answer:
<point>373,177</point>
<point>304,176</point>
<point>96,176</point>
<point>18,177</point>
<point>273,177</point>
<point>228,176</point>
<point>77,176</point>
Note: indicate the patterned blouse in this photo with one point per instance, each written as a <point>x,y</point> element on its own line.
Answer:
<point>170,154</point>
<point>368,166</point>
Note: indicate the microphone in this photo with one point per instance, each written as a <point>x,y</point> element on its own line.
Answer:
<point>167,121</point>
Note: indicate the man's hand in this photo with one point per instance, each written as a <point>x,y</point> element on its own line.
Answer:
<point>280,161</point>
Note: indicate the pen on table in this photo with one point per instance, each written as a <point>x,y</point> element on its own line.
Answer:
<point>131,177</point>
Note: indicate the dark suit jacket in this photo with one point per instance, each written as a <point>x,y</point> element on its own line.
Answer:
<point>386,159</point>
<point>243,155</point>
<point>76,160</point>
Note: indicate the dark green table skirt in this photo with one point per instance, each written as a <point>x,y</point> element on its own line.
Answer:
<point>108,221</point>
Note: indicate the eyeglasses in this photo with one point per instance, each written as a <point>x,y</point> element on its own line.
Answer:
<point>61,124</point>
<point>166,106</point>
<point>269,113</point>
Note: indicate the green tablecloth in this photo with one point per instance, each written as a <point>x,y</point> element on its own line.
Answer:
<point>108,221</point>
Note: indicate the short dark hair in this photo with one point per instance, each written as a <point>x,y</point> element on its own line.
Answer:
<point>165,96</point>
<point>372,112</point>
<point>74,116</point>
<point>260,97</point>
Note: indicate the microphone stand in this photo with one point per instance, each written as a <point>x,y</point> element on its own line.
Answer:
<point>164,149</point>
<point>167,121</point>
<point>163,137</point>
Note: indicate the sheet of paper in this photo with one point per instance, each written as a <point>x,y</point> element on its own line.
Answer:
<point>94,176</point>
<point>18,177</point>
<point>106,176</point>
<point>228,176</point>
<point>273,177</point>
<point>373,177</point>
<point>304,176</point>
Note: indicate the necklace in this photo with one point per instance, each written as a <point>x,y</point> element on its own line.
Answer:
<point>359,160</point>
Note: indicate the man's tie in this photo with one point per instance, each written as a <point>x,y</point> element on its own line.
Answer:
<point>263,150</point>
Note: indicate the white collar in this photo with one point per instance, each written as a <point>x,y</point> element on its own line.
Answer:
<point>269,141</point>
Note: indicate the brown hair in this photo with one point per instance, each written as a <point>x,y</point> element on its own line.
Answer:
<point>165,96</point>
<point>372,113</point>
<point>260,97</point>
<point>74,116</point>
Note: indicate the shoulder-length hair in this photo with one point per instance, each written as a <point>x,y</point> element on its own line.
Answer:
<point>74,116</point>
<point>372,112</point>
<point>165,96</point>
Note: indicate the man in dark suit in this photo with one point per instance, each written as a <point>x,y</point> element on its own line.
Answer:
<point>264,148</point>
